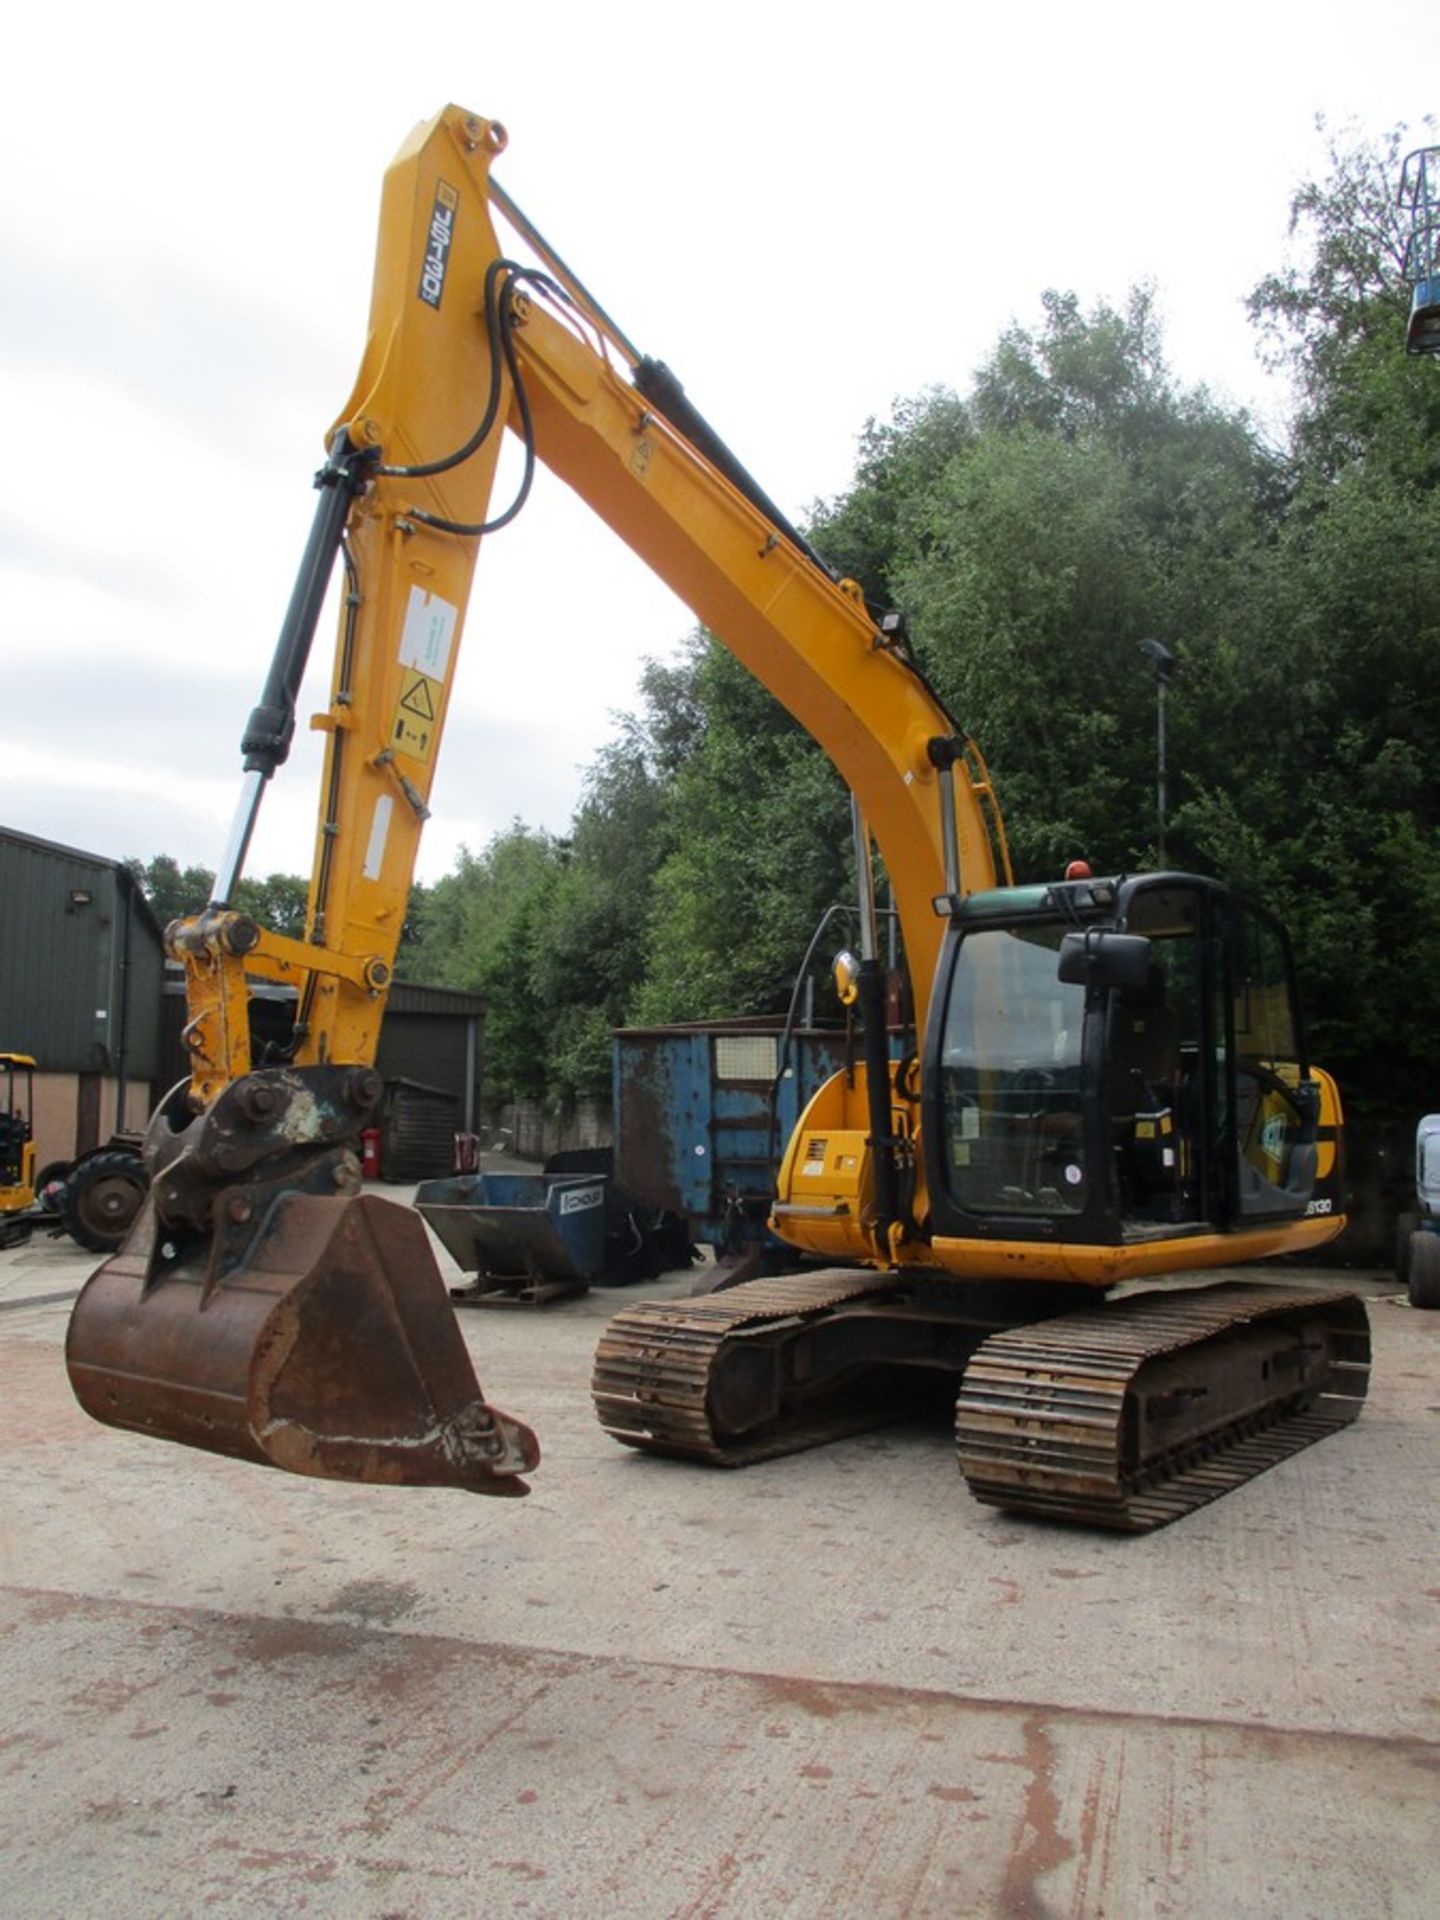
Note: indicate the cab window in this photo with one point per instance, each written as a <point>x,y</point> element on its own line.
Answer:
<point>1010,1075</point>
<point>1274,1108</point>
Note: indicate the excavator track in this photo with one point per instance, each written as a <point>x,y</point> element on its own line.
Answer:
<point>1054,1419</point>
<point>656,1365</point>
<point>1124,1417</point>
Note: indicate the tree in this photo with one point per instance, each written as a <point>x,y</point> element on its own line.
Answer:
<point>758,826</point>
<point>865,531</point>
<point>590,964</point>
<point>1077,501</point>
<point>1331,655</point>
<point>481,930</point>
<point>1026,606</point>
<point>170,891</point>
<point>1335,318</point>
<point>277,901</point>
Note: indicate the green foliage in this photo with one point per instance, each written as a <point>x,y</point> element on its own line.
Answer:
<point>1328,803</point>
<point>169,890</point>
<point>1083,374</point>
<point>277,902</point>
<point>1036,584</point>
<point>552,932</point>
<point>1075,503</point>
<point>1335,317</point>
<point>1336,644</point>
<point>594,954</point>
<point>866,530</point>
<point>481,929</point>
<point>759,843</point>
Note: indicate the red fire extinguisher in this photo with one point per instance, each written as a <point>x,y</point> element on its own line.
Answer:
<point>370,1153</point>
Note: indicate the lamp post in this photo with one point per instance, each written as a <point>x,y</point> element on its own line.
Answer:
<point>1164,666</point>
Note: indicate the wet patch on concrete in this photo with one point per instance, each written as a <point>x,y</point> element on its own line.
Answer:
<point>380,1602</point>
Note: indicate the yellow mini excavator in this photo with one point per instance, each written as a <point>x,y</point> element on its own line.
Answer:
<point>1110,1081</point>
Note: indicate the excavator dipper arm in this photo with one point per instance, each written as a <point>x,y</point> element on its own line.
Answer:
<point>261,1307</point>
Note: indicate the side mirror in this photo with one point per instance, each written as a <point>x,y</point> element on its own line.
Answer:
<point>1099,958</point>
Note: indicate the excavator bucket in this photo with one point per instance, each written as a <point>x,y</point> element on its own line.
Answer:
<point>329,1347</point>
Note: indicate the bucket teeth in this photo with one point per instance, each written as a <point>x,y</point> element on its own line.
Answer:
<point>331,1350</point>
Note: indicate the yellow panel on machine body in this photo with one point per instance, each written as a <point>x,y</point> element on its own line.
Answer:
<point>825,1187</point>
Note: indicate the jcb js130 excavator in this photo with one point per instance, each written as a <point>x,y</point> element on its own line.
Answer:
<point>1111,1081</point>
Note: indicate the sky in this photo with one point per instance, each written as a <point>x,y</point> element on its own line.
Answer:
<point>809,211</point>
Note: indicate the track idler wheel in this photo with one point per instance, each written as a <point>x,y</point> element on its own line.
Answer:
<point>328,1347</point>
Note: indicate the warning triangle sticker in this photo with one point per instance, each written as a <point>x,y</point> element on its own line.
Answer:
<point>416,699</point>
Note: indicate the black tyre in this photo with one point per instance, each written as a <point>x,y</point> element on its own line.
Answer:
<point>1425,1270</point>
<point>101,1198</point>
<point>48,1182</point>
<point>1405,1226</point>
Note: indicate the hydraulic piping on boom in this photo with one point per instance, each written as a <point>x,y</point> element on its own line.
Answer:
<point>1108,1078</point>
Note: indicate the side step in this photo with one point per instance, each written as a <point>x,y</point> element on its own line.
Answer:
<point>1129,1416</point>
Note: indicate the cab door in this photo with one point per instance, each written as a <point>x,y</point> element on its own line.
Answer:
<point>1229,1132</point>
<point>1164,1073</point>
<point>1274,1103</point>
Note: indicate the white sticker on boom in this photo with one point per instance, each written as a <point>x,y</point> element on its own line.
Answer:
<point>429,633</point>
<point>379,834</point>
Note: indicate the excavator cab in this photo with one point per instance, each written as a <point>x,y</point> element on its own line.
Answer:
<point>1420,199</point>
<point>1119,1061</point>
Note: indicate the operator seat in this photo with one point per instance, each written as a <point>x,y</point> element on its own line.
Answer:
<point>1144,1049</point>
<point>1144,1085</point>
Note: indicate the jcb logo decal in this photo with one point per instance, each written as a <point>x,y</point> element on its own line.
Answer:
<point>438,243</point>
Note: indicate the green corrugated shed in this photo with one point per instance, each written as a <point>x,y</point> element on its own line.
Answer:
<point>80,961</point>
<point>435,1035</point>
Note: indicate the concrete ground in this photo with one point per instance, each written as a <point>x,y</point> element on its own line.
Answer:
<point>827,1686</point>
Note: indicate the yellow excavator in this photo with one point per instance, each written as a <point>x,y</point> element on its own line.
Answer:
<point>1110,1081</point>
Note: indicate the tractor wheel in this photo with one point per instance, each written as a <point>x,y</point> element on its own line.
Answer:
<point>1405,1226</point>
<point>1425,1270</point>
<point>48,1183</point>
<point>100,1199</point>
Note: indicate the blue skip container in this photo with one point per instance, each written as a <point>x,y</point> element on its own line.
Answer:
<point>534,1234</point>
